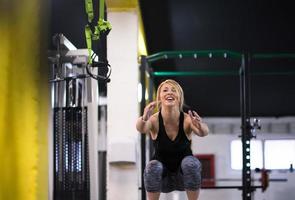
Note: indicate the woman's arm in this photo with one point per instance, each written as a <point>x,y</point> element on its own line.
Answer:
<point>197,126</point>
<point>144,124</point>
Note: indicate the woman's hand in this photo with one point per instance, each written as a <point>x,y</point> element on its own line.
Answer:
<point>143,124</point>
<point>195,118</point>
<point>148,111</point>
<point>197,126</point>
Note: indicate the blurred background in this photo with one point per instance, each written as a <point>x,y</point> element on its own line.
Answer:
<point>66,135</point>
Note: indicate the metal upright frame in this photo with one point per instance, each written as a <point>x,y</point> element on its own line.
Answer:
<point>143,69</point>
<point>95,171</point>
<point>246,126</point>
<point>244,98</point>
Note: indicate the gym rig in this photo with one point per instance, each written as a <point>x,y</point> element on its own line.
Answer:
<point>247,127</point>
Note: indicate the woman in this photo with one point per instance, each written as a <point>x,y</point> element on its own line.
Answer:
<point>173,167</point>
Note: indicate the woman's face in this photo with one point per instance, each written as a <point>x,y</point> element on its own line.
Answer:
<point>169,95</point>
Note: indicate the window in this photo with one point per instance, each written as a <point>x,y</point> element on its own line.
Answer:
<point>255,153</point>
<point>279,154</point>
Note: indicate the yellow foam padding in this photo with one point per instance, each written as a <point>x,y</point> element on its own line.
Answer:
<point>24,103</point>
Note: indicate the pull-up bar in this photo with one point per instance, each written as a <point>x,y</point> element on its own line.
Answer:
<point>193,54</point>
<point>213,53</point>
<point>196,73</point>
<point>217,73</point>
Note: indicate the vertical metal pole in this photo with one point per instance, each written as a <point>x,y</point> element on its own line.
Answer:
<point>246,126</point>
<point>143,67</point>
<point>102,114</point>
<point>102,149</point>
<point>151,91</point>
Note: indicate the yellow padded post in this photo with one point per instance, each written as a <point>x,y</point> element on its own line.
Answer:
<point>24,103</point>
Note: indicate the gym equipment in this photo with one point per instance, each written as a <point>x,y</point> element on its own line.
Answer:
<point>77,115</point>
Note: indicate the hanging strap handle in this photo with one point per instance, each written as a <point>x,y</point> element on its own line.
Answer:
<point>102,27</point>
<point>89,10</point>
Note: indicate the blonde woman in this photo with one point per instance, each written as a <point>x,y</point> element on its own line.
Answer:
<point>173,166</point>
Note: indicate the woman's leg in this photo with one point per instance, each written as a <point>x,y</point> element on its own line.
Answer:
<point>152,179</point>
<point>191,169</point>
<point>153,195</point>
<point>192,195</point>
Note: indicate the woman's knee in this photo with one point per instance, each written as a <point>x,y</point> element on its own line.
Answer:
<point>154,167</point>
<point>191,164</point>
<point>191,168</point>
<point>153,176</point>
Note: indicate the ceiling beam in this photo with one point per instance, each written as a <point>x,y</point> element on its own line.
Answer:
<point>119,5</point>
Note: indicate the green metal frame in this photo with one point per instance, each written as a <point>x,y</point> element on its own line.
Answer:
<point>196,73</point>
<point>218,73</point>
<point>193,54</point>
<point>273,55</point>
<point>211,54</point>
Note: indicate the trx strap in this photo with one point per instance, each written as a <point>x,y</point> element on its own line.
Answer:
<point>94,32</point>
<point>89,10</point>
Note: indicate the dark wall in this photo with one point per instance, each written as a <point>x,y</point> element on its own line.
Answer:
<point>252,26</point>
<point>69,17</point>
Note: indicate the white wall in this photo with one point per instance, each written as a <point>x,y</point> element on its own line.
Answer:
<point>122,179</point>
